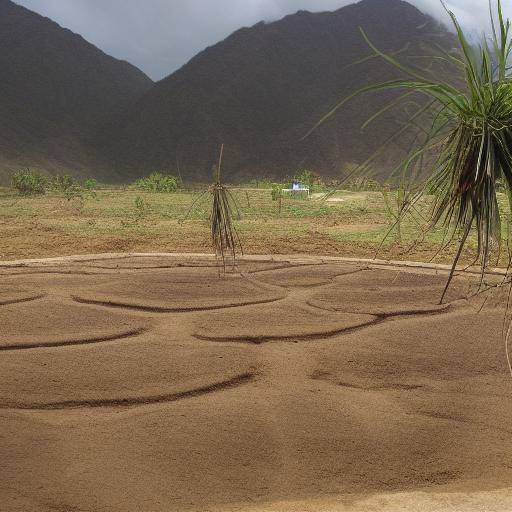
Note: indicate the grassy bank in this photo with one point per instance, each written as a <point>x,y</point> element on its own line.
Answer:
<point>348,224</point>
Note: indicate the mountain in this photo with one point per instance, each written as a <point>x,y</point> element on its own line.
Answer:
<point>261,89</point>
<point>67,106</point>
<point>56,90</point>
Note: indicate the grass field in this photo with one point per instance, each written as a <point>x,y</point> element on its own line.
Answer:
<point>348,224</point>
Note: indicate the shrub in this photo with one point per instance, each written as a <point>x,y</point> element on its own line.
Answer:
<point>90,185</point>
<point>29,183</point>
<point>157,182</point>
<point>277,191</point>
<point>66,185</point>
<point>141,207</point>
<point>62,183</point>
<point>362,184</point>
<point>89,188</point>
<point>307,178</point>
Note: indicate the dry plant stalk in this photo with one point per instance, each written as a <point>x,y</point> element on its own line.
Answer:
<point>225,239</point>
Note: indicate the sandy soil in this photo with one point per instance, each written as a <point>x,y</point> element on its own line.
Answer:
<point>150,384</point>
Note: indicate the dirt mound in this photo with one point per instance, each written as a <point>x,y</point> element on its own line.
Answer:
<point>286,321</point>
<point>381,292</point>
<point>305,275</point>
<point>180,415</point>
<point>53,324</point>
<point>170,262</point>
<point>180,290</point>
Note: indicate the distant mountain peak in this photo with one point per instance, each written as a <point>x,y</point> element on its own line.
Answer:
<point>66,105</point>
<point>262,88</point>
<point>56,89</point>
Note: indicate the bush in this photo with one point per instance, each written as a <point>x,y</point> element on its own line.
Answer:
<point>362,184</point>
<point>62,183</point>
<point>157,182</point>
<point>307,178</point>
<point>90,185</point>
<point>66,185</point>
<point>141,207</point>
<point>276,191</point>
<point>29,183</point>
<point>89,189</point>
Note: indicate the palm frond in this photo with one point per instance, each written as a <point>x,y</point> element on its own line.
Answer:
<point>470,138</point>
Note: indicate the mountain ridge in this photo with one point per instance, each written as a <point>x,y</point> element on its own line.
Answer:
<point>263,87</point>
<point>66,105</point>
<point>56,90</point>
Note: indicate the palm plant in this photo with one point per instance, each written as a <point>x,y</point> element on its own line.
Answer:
<point>470,136</point>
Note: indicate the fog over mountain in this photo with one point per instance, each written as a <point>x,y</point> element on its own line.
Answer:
<point>159,36</point>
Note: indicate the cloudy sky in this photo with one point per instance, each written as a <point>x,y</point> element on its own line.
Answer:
<point>160,36</point>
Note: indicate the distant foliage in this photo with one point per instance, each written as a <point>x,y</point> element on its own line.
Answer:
<point>307,178</point>
<point>263,183</point>
<point>90,185</point>
<point>157,182</point>
<point>66,185</point>
<point>29,183</point>
<point>141,207</point>
<point>276,191</point>
<point>89,188</point>
<point>362,184</point>
<point>62,183</point>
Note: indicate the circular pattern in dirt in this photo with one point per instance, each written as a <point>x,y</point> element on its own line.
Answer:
<point>150,262</point>
<point>387,293</point>
<point>166,421</point>
<point>134,400</point>
<point>175,262</point>
<point>286,322</point>
<point>180,291</point>
<point>156,367</point>
<point>304,276</point>
<point>52,324</point>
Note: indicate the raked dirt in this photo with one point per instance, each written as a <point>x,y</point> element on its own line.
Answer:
<point>157,382</point>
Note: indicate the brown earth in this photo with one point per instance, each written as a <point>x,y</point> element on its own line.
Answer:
<point>149,384</point>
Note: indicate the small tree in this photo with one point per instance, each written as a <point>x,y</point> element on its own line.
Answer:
<point>29,183</point>
<point>90,184</point>
<point>306,177</point>
<point>141,207</point>
<point>67,186</point>
<point>157,182</point>
<point>277,195</point>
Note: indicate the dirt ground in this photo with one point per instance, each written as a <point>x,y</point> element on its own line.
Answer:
<point>152,384</point>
